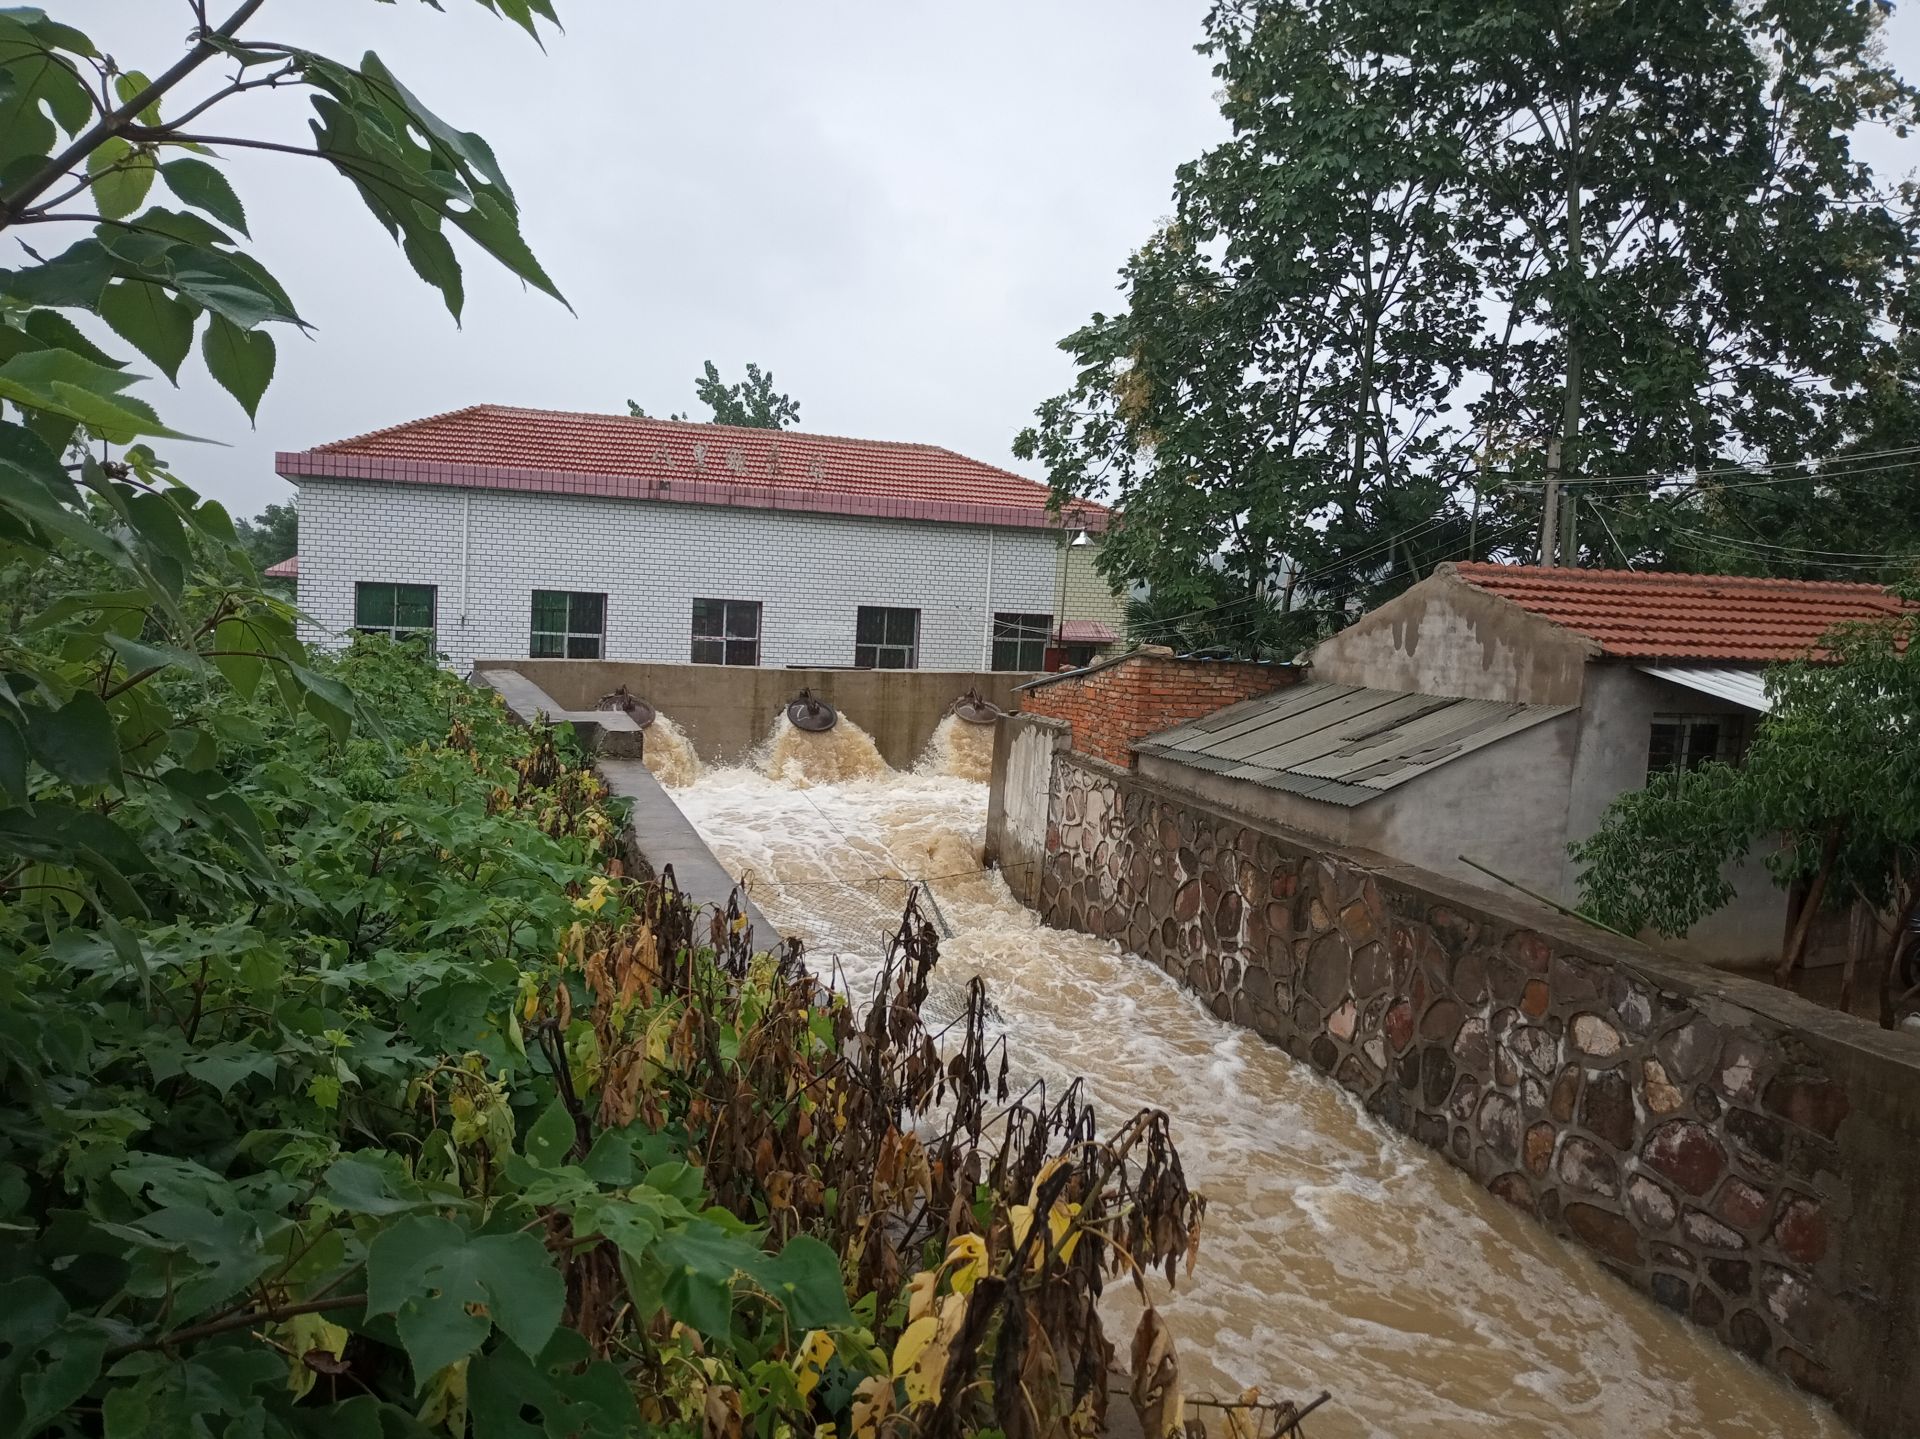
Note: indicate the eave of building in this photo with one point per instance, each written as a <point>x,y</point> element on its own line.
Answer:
<point>297,465</point>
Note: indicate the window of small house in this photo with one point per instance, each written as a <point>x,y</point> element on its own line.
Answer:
<point>1687,741</point>
<point>1020,641</point>
<point>726,632</point>
<point>568,624</point>
<point>886,639</point>
<point>396,611</point>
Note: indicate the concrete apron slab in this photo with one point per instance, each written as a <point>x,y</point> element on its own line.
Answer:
<point>657,831</point>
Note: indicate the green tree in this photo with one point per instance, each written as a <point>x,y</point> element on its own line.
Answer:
<point>270,536</point>
<point>1449,253</point>
<point>751,404</point>
<point>1833,776</point>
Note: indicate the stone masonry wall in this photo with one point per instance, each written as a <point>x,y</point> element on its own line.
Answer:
<point>1741,1156</point>
<point>1112,704</point>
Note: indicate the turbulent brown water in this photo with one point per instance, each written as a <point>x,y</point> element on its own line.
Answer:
<point>1337,1254</point>
<point>669,753</point>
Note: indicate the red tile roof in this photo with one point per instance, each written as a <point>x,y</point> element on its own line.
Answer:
<point>559,452</point>
<point>287,569</point>
<point>1642,615</point>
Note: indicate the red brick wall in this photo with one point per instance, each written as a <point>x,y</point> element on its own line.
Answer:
<point>1110,707</point>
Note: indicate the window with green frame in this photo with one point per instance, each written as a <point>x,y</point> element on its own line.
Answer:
<point>568,624</point>
<point>396,611</point>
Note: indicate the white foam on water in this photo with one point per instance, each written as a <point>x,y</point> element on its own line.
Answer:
<point>1336,1253</point>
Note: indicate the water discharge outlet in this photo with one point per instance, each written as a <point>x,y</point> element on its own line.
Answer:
<point>631,705</point>
<point>974,708</point>
<point>807,711</point>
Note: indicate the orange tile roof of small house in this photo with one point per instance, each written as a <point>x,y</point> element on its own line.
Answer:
<point>287,569</point>
<point>1647,615</point>
<point>621,457</point>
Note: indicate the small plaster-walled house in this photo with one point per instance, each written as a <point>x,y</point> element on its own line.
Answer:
<point>1492,712</point>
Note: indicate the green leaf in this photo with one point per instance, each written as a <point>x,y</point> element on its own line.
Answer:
<point>43,1370</point>
<point>698,1264</point>
<point>35,488</point>
<point>39,81</point>
<point>552,1137</point>
<point>76,741</point>
<point>137,657</point>
<point>152,321</point>
<point>428,1273</point>
<point>241,360</point>
<point>75,277</point>
<point>329,701</point>
<point>57,332</point>
<point>376,1184</point>
<point>39,369</point>
<point>564,1394</point>
<point>130,84</point>
<point>13,761</point>
<point>229,285</point>
<point>121,177</point>
<point>804,1278</point>
<point>610,1161</point>
<point>231,641</point>
<point>206,188</point>
<point>60,382</point>
<point>227,1064</point>
<point>56,831</point>
<point>161,224</point>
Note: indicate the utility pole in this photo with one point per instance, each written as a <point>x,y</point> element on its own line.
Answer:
<point>1550,513</point>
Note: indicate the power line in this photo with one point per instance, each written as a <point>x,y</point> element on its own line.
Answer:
<point>1245,625</point>
<point>1694,476</point>
<point>1760,549</point>
<point>1619,549</point>
<point>1377,548</point>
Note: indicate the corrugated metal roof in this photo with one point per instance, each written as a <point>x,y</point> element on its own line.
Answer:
<point>1341,743</point>
<point>1086,632</point>
<point>1746,687</point>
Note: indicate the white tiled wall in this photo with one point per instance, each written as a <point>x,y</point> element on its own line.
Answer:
<point>809,572</point>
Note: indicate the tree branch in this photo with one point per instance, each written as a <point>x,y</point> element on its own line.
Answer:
<point>116,122</point>
<point>271,1315</point>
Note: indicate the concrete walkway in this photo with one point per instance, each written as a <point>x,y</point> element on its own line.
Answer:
<point>660,833</point>
<point>664,836</point>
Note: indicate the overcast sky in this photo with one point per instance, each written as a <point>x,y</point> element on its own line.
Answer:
<point>898,208</point>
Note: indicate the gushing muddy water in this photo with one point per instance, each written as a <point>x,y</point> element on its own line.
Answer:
<point>1336,1253</point>
<point>670,754</point>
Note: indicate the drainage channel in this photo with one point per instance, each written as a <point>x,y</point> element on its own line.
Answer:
<point>1337,1254</point>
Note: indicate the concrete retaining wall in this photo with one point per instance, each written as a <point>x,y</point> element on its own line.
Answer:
<point>727,710</point>
<point>1745,1157</point>
<point>1023,750</point>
